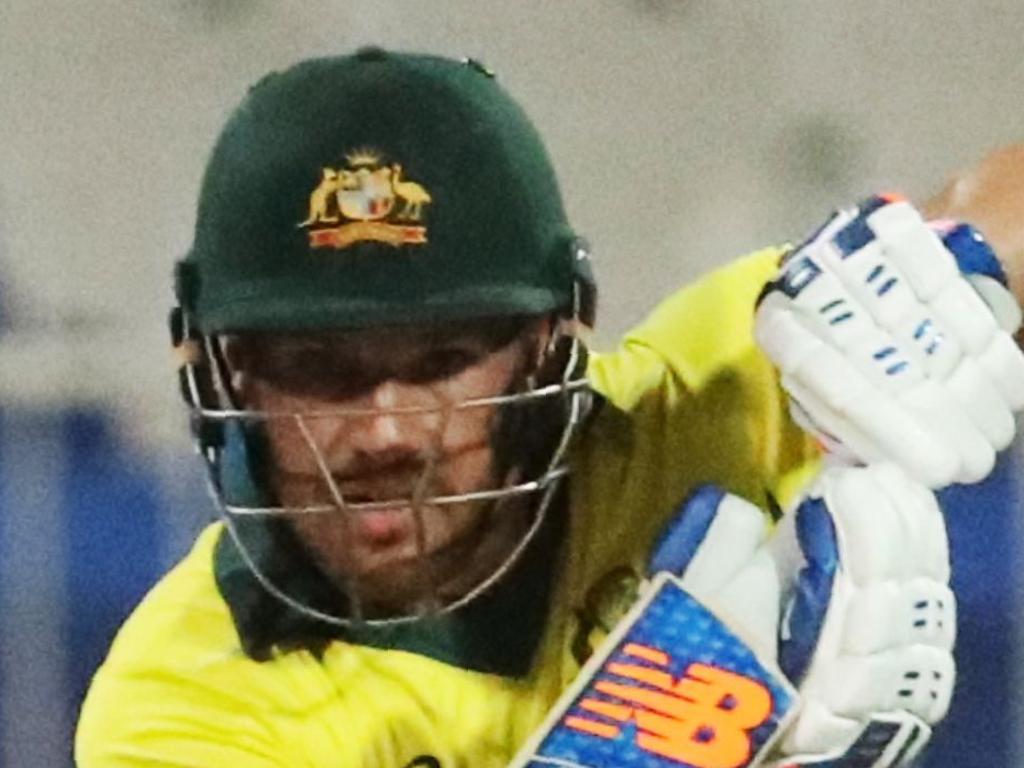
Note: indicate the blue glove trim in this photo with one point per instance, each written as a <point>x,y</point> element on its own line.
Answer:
<point>853,236</point>
<point>973,254</point>
<point>806,612</point>
<point>856,234</point>
<point>682,536</point>
<point>796,275</point>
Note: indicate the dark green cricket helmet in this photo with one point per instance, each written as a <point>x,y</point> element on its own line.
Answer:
<point>378,188</point>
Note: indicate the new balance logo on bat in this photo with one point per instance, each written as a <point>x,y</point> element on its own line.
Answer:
<point>703,719</point>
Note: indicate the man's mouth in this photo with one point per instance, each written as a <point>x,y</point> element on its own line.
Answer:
<point>384,527</point>
<point>386,510</point>
<point>397,529</point>
<point>393,513</point>
<point>385,497</point>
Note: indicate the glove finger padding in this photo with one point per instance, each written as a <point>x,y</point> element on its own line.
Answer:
<point>716,545</point>
<point>886,349</point>
<point>871,621</point>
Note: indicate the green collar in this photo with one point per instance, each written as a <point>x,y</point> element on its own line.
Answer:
<point>496,633</point>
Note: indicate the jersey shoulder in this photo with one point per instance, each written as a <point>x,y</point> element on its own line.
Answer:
<point>181,614</point>
<point>691,335</point>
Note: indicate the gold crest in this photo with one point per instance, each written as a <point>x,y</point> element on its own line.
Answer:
<point>367,200</point>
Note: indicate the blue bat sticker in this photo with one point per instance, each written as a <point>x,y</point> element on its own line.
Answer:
<point>673,687</point>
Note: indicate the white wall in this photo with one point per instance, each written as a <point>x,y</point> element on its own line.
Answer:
<point>685,133</point>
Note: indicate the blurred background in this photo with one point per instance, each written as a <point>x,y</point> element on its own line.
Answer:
<point>685,133</point>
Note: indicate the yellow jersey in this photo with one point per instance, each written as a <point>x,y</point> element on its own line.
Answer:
<point>197,678</point>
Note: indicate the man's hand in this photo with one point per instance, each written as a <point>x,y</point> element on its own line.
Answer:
<point>886,349</point>
<point>868,631</point>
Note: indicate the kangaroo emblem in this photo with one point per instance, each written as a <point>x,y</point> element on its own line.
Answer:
<point>321,197</point>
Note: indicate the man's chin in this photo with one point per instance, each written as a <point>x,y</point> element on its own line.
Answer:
<point>383,559</point>
<point>401,577</point>
<point>378,555</point>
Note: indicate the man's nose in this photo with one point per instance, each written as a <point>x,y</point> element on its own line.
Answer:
<point>392,418</point>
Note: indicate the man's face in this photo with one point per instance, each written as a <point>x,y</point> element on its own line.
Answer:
<point>371,416</point>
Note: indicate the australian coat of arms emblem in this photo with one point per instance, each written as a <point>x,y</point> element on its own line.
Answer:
<point>367,200</point>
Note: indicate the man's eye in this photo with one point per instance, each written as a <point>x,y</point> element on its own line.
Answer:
<point>314,374</point>
<point>442,363</point>
<point>291,362</point>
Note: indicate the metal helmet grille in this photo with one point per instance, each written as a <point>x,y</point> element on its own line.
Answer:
<point>509,492</point>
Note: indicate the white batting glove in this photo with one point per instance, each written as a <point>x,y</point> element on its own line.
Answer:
<point>896,346</point>
<point>871,620</point>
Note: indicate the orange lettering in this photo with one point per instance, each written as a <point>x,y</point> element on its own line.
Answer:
<point>704,719</point>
